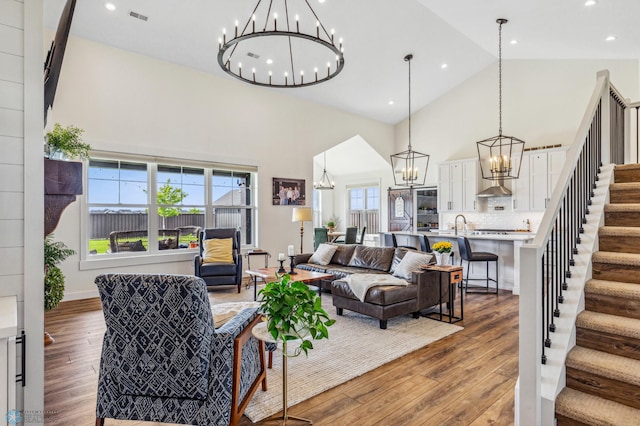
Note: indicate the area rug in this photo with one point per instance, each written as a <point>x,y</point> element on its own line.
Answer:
<point>356,345</point>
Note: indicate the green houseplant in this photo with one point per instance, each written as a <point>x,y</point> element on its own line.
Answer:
<point>54,253</point>
<point>66,142</point>
<point>294,312</point>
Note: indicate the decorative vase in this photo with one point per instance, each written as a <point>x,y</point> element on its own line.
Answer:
<point>442,258</point>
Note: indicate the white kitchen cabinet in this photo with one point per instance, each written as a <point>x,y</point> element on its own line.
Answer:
<point>470,181</point>
<point>544,169</point>
<point>521,198</point>
<point>458,186</point>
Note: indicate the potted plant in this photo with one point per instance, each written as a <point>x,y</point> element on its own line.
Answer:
<point>294,312</point>
<point>442,251</point>
<point>331,225</point>
<point>54,253</point>
<point>66,143</point>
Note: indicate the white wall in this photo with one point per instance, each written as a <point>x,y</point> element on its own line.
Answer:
<point>21,183</point>
<point>543,102</point>
<point>135,104</point>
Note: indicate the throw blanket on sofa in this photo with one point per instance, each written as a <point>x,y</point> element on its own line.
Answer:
<point>361,283</point>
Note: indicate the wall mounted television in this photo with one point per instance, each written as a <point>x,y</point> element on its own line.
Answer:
<point>53,62</point>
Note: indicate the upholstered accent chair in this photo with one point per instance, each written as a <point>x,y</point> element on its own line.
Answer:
<point>220,272</point>
<point>164,361</point>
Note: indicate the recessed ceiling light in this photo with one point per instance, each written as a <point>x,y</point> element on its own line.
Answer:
<point>110,6</point>
<point>611,38</point>
<point>391,102</point>
<point>590,3</point>
<point>320,1</point>
<point>514,41</point>
<point>443,66</point>
<point>269,61</point>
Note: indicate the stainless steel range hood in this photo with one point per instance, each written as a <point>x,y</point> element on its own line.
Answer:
<point>497,189</point>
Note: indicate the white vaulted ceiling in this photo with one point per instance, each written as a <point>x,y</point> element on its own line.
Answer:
<point>377,34</point>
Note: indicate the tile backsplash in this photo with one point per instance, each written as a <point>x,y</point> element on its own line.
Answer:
<point>494,213</point>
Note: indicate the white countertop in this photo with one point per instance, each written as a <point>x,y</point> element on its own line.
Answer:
<point>512,236</point>
<point>8,316</point>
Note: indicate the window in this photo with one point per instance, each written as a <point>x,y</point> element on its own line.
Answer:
<point>364,207</point>
<point>185,199</point>
<point>231,205</point>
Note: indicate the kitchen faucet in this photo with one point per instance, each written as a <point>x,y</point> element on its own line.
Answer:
<point>455,223</point>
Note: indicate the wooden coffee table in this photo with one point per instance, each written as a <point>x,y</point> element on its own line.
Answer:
<point>269,274</point>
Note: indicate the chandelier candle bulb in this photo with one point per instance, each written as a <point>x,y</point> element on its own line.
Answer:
<point>318,29</point>
<point>315,70</point>
<point>297,23</point>
<point>236,30</point>
<point>253,23</point>
<point>275,21</point>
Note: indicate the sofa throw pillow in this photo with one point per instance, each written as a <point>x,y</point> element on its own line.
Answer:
<point>323,254</point>
<point>411,262</point>
<point>217,250</point>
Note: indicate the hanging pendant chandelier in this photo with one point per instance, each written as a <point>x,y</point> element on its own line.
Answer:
<point>324,182</point>
<point>500,156</point>
<point>409,167</point>
<point>282,44</point>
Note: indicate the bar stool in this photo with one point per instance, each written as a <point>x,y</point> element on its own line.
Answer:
<point>467,254</point>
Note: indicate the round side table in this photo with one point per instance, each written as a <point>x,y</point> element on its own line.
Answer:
<point>260,332</point>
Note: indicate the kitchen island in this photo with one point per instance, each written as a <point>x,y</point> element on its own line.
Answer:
<point>505,244</point>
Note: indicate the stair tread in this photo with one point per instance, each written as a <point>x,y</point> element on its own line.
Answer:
<point>614,324</point>
<point>616,258</point>
<point>621,186</point>
<point>619,231</point>
<point>622,207</point>
<point>604,364</point>
<point>593,410</point>
<point>613,288</point>
<point>624,167</point>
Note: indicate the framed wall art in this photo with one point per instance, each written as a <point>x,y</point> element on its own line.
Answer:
<point>288,192</point>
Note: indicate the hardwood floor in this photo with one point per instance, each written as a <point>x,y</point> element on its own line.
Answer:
<point>467,378</point>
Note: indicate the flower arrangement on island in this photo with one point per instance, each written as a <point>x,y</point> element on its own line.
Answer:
<point>442,247</point>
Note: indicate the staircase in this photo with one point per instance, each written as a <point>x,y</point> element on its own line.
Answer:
<point>603,369</point>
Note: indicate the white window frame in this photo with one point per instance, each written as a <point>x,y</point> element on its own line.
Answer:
<point>364,187</point>
<point>153,255</point>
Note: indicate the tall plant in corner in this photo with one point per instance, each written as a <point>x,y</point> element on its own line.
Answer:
<point>54,253</point>
<point>294,312</point>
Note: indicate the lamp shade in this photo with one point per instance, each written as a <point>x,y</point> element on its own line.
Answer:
<point>302,214</point>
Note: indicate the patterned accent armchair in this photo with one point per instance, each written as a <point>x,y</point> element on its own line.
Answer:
<point>220,273</point>
<point>163,360</point>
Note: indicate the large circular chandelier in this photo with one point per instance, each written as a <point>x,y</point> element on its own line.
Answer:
<point>282,44</point>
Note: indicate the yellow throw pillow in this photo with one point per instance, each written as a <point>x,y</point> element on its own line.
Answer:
<point>218,250</point>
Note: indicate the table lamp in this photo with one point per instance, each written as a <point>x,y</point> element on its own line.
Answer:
<point>302,214</point>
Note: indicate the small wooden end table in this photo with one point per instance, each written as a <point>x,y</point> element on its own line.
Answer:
<point>307,277</point>
<point>449,275</point>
